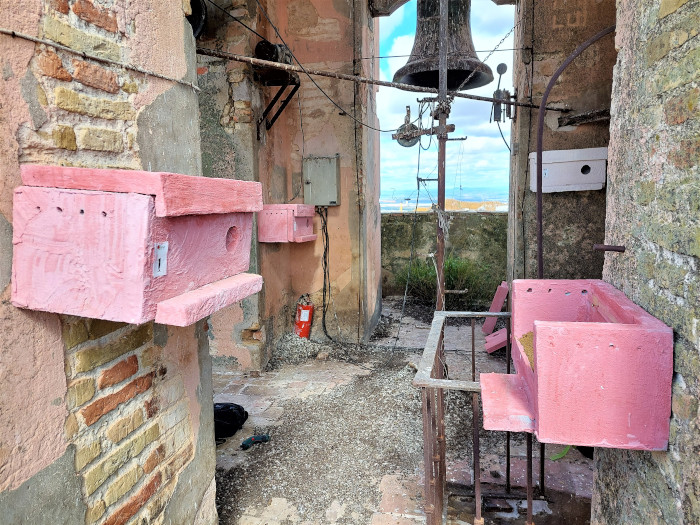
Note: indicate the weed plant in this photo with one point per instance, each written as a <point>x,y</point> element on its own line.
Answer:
<point>460,274</point>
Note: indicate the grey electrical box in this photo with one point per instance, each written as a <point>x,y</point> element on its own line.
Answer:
<point>322,181</point>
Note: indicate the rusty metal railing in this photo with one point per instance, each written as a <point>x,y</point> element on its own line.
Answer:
<point>432,379</point>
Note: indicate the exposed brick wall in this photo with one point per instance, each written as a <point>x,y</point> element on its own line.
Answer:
<point>129,419</point>
<point>134,418</point>
<point>654,210</point>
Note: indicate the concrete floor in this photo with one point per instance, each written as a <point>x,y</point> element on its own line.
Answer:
<point>346,441</point>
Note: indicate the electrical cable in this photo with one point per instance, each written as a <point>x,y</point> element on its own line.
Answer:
<point>323,213</point>
<point>501,132</point>
<point>343,112</point>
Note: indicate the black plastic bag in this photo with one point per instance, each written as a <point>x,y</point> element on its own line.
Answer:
<point>228,419</point>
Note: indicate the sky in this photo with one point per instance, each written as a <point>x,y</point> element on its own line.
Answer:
<point>477,168</point>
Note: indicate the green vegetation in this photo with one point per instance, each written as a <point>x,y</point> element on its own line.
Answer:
<point>460,274</point>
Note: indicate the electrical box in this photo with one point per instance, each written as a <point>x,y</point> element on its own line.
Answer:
<point>570,170</point>
<point>132,246</point>
<point>322,181</point>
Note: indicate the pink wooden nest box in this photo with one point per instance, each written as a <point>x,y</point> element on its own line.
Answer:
<point>286,223</point>
<point>132,246</point>
<point>592,368</point>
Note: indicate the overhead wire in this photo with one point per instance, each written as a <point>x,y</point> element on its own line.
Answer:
<point>344,112</point>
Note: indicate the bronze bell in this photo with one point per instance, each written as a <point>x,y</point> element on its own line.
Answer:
<point>422,67</point>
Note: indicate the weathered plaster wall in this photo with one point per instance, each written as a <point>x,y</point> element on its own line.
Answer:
<point>100,422</point>
<point>653,209</point>
<point>325,35</point>
<point>477,236</point>
<point>573,221</point>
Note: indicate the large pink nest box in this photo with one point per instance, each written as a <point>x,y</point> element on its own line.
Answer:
<point>592,368</point>
<point>286,223</point>
<point>132,246</point>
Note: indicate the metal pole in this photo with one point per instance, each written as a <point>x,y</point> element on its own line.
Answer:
<point>442,146</point>
<point>529,480</point>
<point>478,520</point>
<point>508,433</point>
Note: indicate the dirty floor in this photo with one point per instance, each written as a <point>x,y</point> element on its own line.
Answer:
<point>346,439</point>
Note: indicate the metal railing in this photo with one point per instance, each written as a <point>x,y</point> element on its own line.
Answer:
<point>432,379</point>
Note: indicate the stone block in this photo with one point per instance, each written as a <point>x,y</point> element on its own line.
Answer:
<point>134,504</point>
<point>684,406</point>
<point>100,139</point>
<point>95,512</point>
<point>682,107</point>
<point>687,154</point>
<point>670,6</point>
<point>64,137</point>
<point>95,76</point>
<point>85,454</point>
<point>61,6</point>
<point>80,41</point>
<point>120,429</point>
<point>104,108</point>
<point>154,459</point>
<point>105,351</point>
<point>118,457</point>
<point>98,408</point>
<point>130,87</point>
<point>80,391</point>
<point>122,484</point>
<point>51,65</point>
<point>95,15</point>
<point>119,372</point>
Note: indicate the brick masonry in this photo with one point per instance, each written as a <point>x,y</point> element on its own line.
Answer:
<point>133,412</point>
<point>654,210</point>
<point>124,450</point>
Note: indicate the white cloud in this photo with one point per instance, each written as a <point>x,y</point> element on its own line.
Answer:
<point>479,165</point>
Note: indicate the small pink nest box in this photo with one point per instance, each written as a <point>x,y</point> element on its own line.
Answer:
<point>286,223</point>
<point>131,246</point>
<point>601,368</point>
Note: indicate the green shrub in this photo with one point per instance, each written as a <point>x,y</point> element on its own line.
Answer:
<point>460,274</point>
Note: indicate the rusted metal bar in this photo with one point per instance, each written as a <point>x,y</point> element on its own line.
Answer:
<point>440,423</point>
<point>609,248</point>
<point>475,435</point>
<point>508,433</point>
<point>598,115</point>
<point>540,133</point>
<point>428,456</point>
<point>543,483</point>
<point>353,78</point>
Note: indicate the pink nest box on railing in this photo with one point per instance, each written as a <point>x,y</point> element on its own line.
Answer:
<point>592,368</point>
<point>132,246</point>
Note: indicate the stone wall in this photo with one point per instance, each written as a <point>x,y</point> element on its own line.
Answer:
<point>100,422</point>
<point>545,34</point>
<point>654,210</point>
<point>480,237</point>
<point>323,35</point>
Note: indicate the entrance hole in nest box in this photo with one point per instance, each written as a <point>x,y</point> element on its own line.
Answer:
<point>232,238</point>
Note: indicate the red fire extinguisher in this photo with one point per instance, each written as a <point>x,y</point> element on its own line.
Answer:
<point>305,313</point>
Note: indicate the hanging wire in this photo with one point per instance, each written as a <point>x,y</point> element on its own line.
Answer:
<point>323,213</point>
<point>501,132</point>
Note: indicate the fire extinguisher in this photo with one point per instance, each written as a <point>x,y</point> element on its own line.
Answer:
<point>305,313</point>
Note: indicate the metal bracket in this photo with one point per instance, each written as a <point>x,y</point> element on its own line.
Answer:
<point>293,80</point>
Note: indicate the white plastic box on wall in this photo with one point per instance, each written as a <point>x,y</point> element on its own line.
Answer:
<point>570,170</point>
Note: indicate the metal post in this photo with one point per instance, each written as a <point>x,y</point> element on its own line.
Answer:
<point>508,433</point>
<point>478,520</point>
<point>529,480</point>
